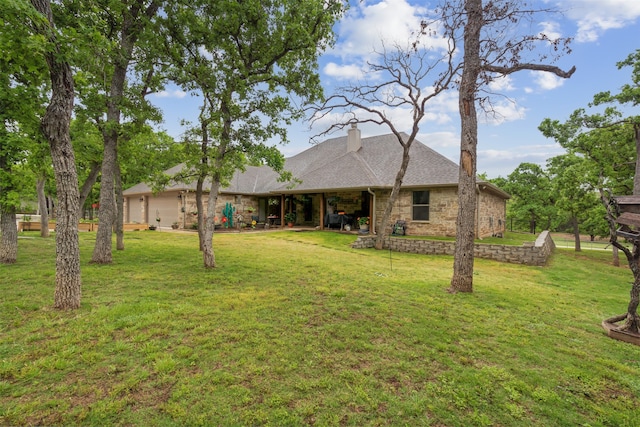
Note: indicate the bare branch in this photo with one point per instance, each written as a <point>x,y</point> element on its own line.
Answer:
<point>533,67</point>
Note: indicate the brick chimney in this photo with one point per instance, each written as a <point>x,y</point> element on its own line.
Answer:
<point>354,143</point>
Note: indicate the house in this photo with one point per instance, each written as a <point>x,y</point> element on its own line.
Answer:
<point>336,182</point>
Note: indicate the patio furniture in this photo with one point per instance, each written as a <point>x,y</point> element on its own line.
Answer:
<point>399,228</point>
<point>337,220</point>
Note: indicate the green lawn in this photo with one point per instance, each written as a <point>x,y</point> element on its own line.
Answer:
<point>297,328</point>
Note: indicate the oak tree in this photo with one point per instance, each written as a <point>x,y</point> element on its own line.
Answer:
<point>248,60</point>
<point>492,49</point>
<point>55,126</point>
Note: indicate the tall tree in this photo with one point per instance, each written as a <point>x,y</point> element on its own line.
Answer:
<point>532,204</point>
<point>574,190</point>
<point>490,52</point>
<point>247,60</point>
<point>606,143</point>
<point>129,20</point>
<point>629,95</point>
<point>55,126</point>
<point>406,79</point>
<point>22,99</point>
<point>612,142</point>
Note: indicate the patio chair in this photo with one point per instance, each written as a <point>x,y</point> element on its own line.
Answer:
<point>399,228</point>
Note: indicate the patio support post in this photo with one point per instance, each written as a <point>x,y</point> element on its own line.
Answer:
<point>323,202</point>
<point>282,210</point>
<point>372,211</point>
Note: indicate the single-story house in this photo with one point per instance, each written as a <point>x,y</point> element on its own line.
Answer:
<point>335,182</point>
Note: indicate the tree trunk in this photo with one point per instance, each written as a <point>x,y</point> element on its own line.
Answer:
<point>88,184</point>
<point>632,320</point>
<point>204,160</point>
<point>200,209</point>
<point>132,27</point>
<point>42,207</point>
<point>395,191</point>
<point>616,257</point>
<point>636,178</point>
<point>119,211</point>
<point>8,235</point>
<point>107,211</point>
<point>576,233</point>
<point>462,280</point>
<point>208,253</point>
<point>8,226</point>
<point>55,126</point>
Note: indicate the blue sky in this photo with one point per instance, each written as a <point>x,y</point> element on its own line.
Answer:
<point>604,32</point>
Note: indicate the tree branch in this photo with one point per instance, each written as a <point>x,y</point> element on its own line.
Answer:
<point>533,67</point>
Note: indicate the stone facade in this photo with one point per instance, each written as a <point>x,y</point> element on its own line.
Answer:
<point>529,254</point>
<point>443,211</point>
<point>242,204</point>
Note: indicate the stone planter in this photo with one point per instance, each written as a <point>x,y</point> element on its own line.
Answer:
<point>611,327</point>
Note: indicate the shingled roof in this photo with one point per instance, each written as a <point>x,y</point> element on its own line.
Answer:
<point>330,166</point>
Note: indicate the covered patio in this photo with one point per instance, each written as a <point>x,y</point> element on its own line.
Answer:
<point>328,210</point>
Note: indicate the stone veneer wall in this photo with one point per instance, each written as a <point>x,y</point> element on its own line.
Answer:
<point>529,253</point>
<point>241,203</point>
<point>443,211</point>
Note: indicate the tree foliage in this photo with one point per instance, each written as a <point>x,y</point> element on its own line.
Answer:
<point>532,205</point>
<point>246,60</point>
<point>23,86</point>
<point>611,143</point>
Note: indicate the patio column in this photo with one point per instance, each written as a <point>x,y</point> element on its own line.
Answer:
<point>323,202</point>
<point>372,211</point>
<point>282,210</point>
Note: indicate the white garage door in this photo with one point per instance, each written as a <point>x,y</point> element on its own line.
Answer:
<point>166,207</point>
<point>134,206</point>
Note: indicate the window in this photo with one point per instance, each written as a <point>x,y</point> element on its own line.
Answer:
<point>421,206</point>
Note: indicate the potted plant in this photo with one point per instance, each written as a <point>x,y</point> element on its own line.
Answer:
<point>363,222</point>
<point>175,225</point>
<point>290,218</point>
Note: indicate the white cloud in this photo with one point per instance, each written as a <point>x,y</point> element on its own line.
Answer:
<point>176,93</point>
<point>551,30</point>
<point>501,84</point>
<point>343,72</point>
<point>501,111</point>
<point>594,17</point>
<point>546,80</point>
<point>496,162</point>
<point>442,139</point>
<point>367,25</point>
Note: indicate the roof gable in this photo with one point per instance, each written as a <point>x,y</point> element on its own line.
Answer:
<point>328,165</point>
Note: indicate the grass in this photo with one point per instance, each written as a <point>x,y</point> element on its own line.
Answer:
<point>300,329</point>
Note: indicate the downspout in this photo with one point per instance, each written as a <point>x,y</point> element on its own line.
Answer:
<point>372,207</point>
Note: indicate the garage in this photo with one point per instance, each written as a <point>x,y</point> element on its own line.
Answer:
<point>166,207</point>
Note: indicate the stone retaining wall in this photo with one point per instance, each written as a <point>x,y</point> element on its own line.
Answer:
<point>536,253</point>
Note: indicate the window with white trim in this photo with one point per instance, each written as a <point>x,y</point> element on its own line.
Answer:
<point>420,205</point>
